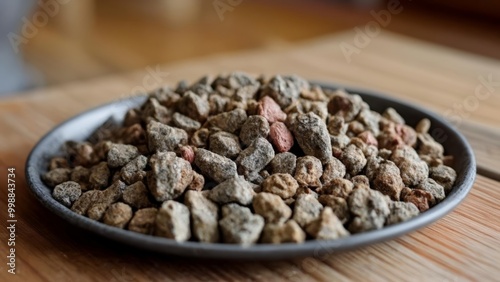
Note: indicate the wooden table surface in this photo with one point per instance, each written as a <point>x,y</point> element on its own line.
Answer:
<point>464,245</point>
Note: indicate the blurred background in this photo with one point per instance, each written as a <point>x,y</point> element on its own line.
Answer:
<point>49,42</point>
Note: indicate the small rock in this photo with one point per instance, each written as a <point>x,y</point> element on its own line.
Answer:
<point>281,137</point>
<point>369,209</point>
<point>143,221</point>
<point>353,159</point>
<point>85,201</point>
<point>136,195</point>
<point>57,176</point>
<point>271,207</point>
<point>337,187</point>
<point>204,217</point>
<point>361,182</point>
<point>215,166</point>
<point>327,226</point>
<point>312,136</point>
<point>436,190</point>
<point>413,170</point>
<point>345,105</point>
<point>200,138</point>
<point>281,184</point>
<point>334,168</point>
<point>254,127</point>
<point>193,106</point>
<point>309,171</point>
<point>338,205</point>
<point>225,144</point>
<point>153,110</point>
<point>429,146</point>
<point>162,137</point>
<point>67,192</point>
<point>239,225</point>
<point>186,123</point>
<point>198,182</point>
<point>169,176</point>
<point>306,209</point>
<point>134,170</point>
<point>388,180</point>
<point>423,126</point>
<point>108,196</point>
<point>233,190</point>
<point>187,153</point>
<point>99,176</point>
<point>444,176</point>
<point>81,176</point>
<point>401,211</point>
<point>118,215</point>
<point>283,163</point>
<point>255,157</point>
<point>270,110</point>
<point>289,232</point>
<point>58,162</point>
<point>420,198</point>
<point>172,221</point>
<point>392,115</point>
<point>285,89</point>
<point>229,121</point>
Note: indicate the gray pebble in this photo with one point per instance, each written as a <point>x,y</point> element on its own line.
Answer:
<point>169,176</point>
<point>215,166</point>
<point>312,135</point>
<point>254,127</point>
<point>162,137</point>
<point>66,193</point>
<point>225,144</point>
<point>233,190</point>
<point>255,157</point>
<point>239,225</point>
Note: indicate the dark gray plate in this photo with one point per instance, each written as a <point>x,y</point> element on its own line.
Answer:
<point>81,126</point>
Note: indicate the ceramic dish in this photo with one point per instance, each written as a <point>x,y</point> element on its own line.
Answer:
<point>81,126</point>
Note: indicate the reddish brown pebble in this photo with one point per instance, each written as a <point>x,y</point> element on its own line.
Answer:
<point>269,109</point>
<point>281,137</point>
<point>388,180</point>
<point>187,153</point>
<point>419,198</point>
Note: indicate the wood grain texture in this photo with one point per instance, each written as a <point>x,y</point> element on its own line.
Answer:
<point>465,245</point>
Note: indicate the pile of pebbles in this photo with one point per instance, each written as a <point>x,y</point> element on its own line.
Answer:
<point>246,160</point>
